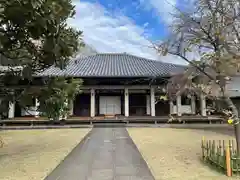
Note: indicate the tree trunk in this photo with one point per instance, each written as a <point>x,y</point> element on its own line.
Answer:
<point>237,136</point>
<point>236,121</point>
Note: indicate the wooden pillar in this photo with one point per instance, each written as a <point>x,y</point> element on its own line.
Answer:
<point>11,110</point>
<point>203,105</point>
<point>92,108</point>
<point>179,104</point>
<point>171,106</point>
<point>152,99</point>
<point>148,104</point>
<point>37,104</point>
<point>70,107</point>
<point>126,102</point>
<point>193,104</point>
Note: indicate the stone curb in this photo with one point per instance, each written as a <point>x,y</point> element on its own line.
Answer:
<point>109,125</point>
<point>43,127</point>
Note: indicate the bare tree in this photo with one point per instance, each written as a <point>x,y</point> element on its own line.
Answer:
<point>208,38</point>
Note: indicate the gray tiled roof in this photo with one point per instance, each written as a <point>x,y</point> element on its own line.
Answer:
<point>114,65</point>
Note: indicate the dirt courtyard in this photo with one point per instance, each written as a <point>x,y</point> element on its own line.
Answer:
<point>174,154</point>
<point>33,154</point>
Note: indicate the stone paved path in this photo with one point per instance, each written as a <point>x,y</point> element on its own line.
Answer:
<point>106,154</point>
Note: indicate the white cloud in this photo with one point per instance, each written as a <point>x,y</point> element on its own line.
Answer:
<point>161,8</point>
<point>145,24</point>
<point>110,33</point>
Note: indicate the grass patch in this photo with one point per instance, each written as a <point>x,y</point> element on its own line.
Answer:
<point>174,154</point>
<point>33,154</point>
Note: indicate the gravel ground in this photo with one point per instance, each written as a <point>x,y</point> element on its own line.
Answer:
<point>174,154</point>
<point>33,154</point>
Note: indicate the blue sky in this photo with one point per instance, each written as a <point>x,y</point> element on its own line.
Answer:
<point>125,25</point>
<point>141,15</point>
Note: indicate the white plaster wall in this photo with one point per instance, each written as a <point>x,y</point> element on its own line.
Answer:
<point>31,111</point>
<point>233,87</point>
<point>185,109</point>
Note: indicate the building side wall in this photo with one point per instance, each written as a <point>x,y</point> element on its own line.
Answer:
<point>233,87</point>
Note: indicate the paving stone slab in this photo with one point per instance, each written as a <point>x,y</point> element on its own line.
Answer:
<point>105,154</point>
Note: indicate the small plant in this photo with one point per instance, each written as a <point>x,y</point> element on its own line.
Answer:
<point>55,108</point>
<point>55,96</point>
